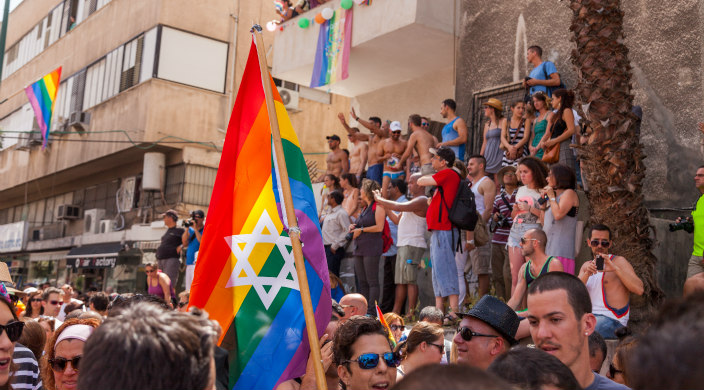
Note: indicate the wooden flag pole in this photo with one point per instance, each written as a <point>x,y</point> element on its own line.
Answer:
<point>294,231</point>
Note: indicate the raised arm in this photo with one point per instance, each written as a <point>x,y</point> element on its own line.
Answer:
<point>418,204</point>
<point>368,124</point>
<point>625,273</point>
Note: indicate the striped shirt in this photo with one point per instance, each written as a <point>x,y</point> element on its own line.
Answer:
<point>501,234</point>
<point>26,375</point>
<point>514,139</point>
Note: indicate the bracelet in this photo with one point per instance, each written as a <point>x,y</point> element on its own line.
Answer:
<point>357,119</point>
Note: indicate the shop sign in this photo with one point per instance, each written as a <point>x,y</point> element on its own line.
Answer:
<point>12,236</point>
<point>92,262</point>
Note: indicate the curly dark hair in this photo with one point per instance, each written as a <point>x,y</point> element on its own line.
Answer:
<point>538,168</point>
<point>350,331</point>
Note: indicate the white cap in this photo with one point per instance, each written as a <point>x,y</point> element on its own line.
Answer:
<point>395,126</point>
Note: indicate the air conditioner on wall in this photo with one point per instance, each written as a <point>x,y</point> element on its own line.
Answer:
<point>91,220</point>
<point>107,226</point>
<point>290,98</point>
<point>79,120</point>
<point>68,211</point>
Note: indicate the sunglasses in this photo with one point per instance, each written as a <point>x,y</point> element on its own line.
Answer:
<point>182,304</point>
<point>13,330</point>
<point>397,327</point>
<point>604,243</point>
<point>55,303</point>
<point>148,271</point>
<point>613,371</point>
<point>35,300</point>
<point>467,333</point>
<point>424,124</point>
<point>396,131</point>
<point>59,363</point>
<point>440,347</point>
<point>368,361</point>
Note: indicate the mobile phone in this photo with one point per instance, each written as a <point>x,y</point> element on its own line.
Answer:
<point>599,263</point>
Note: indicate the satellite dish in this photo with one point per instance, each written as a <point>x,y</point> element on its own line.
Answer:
<point>285,97</point>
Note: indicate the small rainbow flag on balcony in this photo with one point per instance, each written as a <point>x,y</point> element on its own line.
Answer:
<point>332,55</point>
<point>42,96</point>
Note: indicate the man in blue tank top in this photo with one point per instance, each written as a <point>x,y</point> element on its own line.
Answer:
<point>454,133</point>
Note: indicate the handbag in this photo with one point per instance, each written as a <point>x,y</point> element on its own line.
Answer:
<point>481,233</point>
<point>551,154</point>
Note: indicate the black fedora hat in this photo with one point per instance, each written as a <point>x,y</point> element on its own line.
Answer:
<point>496,314</point>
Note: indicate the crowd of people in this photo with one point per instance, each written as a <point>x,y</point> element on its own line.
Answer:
<point>392,199</point>
<point>525,183</point>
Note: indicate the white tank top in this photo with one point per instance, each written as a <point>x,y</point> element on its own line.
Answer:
<point>595,285</point>
<point>478,198</point>
<point>411,230</point>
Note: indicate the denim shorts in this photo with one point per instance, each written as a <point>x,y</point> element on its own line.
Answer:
<point>607,326</point>
<point>444,271</point>
<point>517,232</point>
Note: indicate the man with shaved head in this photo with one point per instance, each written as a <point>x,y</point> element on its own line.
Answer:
<point>354,305</point>
<point>538,263</point>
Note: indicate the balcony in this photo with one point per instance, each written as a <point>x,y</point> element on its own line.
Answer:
<point>393,41</point>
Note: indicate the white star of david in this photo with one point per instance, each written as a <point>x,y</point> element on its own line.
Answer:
<point>250,278</point>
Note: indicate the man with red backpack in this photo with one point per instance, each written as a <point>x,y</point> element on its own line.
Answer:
<point>443,234</point>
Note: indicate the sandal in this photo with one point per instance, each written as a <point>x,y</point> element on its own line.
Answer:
<point>451,319</point>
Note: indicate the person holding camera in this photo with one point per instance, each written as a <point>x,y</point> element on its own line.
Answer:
<point>168,252</point>
<point>695,269</point>
<point>500,225</point>
<point>191,240</point>
<point>610,281</point>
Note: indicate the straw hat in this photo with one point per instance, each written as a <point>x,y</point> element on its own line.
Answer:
<point>493,102</point>
<point>5,274</point>
<point>502,172</point>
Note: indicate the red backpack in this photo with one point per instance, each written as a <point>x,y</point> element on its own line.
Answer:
<point>385,234</point>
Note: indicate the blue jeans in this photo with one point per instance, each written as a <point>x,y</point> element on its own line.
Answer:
<point>374,172</point>
<point>607,326</point>
<point>442,256</point>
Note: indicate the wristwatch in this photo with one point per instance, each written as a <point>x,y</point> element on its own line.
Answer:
<point>552,199</point>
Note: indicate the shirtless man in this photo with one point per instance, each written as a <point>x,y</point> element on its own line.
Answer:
<point>337,161</point>
<point>379,133</point>
<point>420,140</point>
<point>358,157</point>
<point>391,151</point>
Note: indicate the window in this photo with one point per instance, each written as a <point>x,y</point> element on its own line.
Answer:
<point>131,63</point>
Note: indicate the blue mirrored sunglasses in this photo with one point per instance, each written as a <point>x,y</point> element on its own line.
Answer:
<point>368,361</point>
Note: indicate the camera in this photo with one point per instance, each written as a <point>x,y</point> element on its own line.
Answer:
<point>685,224</point>
<point>599,263</point>
<point>543,200</point>
<point>349,236</point>
<point>187,223</point>
<point>501,222</point>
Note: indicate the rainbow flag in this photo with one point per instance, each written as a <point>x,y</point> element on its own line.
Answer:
<point>42,96</point>
<point>245,277</point>
<point>332,55</point>
<point>381,318</point>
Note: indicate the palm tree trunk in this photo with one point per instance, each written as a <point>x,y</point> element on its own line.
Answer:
<point>611,154</point>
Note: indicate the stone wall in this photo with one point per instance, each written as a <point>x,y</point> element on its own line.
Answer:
<point>665,49</point>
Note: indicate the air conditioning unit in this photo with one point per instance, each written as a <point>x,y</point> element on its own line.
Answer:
<point>35,137</point>
<point>91,220</point>
<point>107,226</point>
<point>68,211</point>
<point>22,141</point>
<point>79,120</point>
<point>290,98</point>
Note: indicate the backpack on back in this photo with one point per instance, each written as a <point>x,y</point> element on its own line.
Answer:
<point>463,211</point>
<point>552,89</point>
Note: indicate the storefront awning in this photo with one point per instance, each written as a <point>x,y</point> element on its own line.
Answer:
<point>48,256</point>
<point>94,256</point>
<point>95,250</point>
